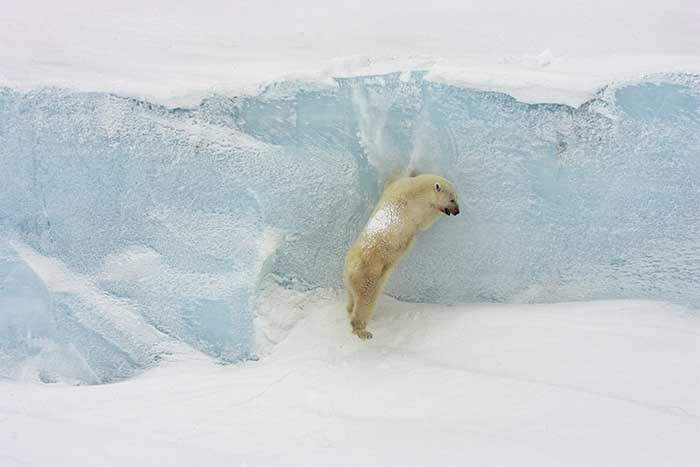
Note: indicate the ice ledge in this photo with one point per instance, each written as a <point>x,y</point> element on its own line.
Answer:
<point>529,78</point>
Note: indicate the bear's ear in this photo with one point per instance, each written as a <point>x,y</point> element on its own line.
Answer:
<point>437,187</point>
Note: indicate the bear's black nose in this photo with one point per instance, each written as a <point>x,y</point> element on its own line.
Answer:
<point>456,210</point>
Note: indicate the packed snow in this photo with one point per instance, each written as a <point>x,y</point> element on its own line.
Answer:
<point>603,383</point>
<point>537,51</point>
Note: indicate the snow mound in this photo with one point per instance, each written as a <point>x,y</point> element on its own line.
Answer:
<point>583,384</point>
<point>538,51</point>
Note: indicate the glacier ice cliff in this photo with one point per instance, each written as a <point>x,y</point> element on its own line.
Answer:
<point>129,230</point>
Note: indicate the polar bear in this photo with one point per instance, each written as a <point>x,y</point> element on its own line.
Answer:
<point>407,205</point>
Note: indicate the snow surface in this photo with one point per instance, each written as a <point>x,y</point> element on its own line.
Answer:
<point>611,383</point>
<point>537,51</point>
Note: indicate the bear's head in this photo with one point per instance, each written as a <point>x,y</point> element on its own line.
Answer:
<point>445,196</point>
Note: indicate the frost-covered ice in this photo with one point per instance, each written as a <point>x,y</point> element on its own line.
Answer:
<point>179,215</point>
<point>611,383</point>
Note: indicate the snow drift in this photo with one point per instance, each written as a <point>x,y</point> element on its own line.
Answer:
<point>583,384</point>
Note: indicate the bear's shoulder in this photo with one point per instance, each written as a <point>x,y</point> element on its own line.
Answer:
<point>414,184</point>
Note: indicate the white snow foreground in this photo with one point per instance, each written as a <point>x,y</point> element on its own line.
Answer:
<point>597,383</point>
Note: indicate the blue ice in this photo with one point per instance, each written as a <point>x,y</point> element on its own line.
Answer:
<point>173,217</point>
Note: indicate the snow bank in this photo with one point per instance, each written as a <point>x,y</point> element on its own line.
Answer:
<point>539,51</point>
<point>581,384</point>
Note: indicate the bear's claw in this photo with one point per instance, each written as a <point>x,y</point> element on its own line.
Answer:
<point>362,334</point>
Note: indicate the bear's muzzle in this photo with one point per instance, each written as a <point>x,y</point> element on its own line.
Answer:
<point>451,210</point>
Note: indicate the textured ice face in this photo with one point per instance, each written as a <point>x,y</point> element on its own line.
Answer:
<point>130,231</point>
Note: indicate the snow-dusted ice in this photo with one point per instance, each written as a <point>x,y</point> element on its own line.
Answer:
<point>175,216</point>
<point>179,184</point>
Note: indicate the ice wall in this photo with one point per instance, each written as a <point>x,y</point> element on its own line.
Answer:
<point>129,231</point>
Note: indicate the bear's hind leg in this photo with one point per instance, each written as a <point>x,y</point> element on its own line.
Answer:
<point>362,312</point>
<point>358,328</point>
<point>351,300</point>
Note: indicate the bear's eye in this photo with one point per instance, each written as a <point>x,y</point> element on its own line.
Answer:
<point>452,201</point>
